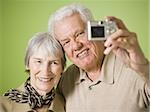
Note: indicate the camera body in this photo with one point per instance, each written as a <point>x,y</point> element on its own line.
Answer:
<point>100,30</point>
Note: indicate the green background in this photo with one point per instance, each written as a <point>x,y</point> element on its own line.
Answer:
<point>20,19</point>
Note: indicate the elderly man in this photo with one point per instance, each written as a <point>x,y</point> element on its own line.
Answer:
<point>106,76</point>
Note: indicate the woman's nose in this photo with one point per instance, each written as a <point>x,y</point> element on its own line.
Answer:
<point>46,69</point>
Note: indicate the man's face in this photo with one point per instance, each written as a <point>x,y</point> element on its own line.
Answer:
<point>71,33</point>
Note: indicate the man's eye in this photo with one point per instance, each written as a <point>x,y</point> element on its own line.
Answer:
<point>65,43</point>
<point>80,34</point>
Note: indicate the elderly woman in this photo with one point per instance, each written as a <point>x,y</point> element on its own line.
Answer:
<point>44,61</point>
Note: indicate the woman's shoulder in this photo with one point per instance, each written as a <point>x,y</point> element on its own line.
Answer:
<point>5,104</point>
<point>58,104</point>
<point>8,105</point>
<point>4,100</point>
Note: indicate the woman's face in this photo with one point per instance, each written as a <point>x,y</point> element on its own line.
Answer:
<point>45,71</point>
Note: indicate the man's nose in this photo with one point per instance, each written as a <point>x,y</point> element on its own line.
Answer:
<point>76,45</point>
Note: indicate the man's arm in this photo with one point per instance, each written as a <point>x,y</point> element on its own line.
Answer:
<point>125,45</point>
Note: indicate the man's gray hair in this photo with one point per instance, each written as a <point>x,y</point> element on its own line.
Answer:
<point>66,11</point>
<point>45,42</point>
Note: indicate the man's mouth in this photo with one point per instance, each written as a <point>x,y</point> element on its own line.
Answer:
<point>82,54</point>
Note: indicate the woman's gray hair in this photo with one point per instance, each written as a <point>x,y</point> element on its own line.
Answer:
<point>66,11</point>
<point>49,45</point>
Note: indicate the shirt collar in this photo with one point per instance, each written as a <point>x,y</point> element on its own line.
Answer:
<point>82,76</point>
<point>107,70</point>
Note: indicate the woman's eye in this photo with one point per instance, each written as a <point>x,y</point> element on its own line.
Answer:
<point>38,61</point>
<point>55,63</point>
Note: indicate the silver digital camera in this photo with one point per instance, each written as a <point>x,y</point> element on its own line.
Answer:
<point>100,30</point>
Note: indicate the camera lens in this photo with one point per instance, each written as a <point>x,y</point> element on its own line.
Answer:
<point>102,22</point>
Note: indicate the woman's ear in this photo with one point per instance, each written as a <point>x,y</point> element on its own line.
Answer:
<point>27,69</point>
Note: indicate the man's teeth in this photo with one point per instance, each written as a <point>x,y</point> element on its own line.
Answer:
<point>83,54</point>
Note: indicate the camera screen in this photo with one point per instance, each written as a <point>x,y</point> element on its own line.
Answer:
<point>97,31</point>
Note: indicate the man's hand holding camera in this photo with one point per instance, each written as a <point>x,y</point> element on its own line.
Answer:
<point>121,41</point>
<point>125,45</point>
